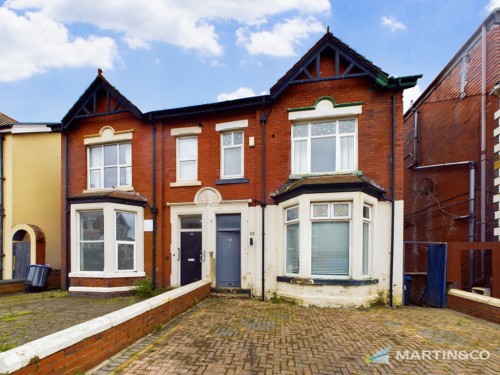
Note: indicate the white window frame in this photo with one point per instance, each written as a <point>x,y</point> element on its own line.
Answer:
<point>232,146</point>
<point>333,216</point>
<point>81,241</point>
<point>367,220</point>
<point>293,221</point>
<point>338,138</point>
<point>124,242</point>
<point>110,246</point>
<point>179,160</point>
<point>101,168</point>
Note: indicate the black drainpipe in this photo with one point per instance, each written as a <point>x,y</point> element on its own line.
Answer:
<point>263,119</point>
<point>66,187</point>
<point>1,206</point>
<point>393,184</point>
<point>153,209</point>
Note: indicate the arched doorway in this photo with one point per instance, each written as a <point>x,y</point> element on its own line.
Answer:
<point>21,254</point>
<point>28,247</point>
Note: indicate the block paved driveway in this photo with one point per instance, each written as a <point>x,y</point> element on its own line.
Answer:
<point>221,336</point>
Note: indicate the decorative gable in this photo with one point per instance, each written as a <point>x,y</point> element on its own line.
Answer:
<point>331,59</point>
<point>100,99</point>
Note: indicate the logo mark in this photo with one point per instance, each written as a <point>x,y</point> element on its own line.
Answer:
<point>382,356</point>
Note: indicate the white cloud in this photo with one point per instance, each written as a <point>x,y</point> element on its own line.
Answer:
<point>282,39</point>
<point>188,24</point>
<point>33,43</point>
<point>393,24</point>
<point>242,92</point>
<point>409,96</point>
<point>493,5</point>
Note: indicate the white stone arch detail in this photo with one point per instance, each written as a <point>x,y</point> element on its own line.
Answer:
<point>207,197</point>
<point>33,237</point>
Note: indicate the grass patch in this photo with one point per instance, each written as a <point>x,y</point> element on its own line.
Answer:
<point>144,288</point>
<point>11,317</point>
<point>4,347</point>
<point>58,294</point>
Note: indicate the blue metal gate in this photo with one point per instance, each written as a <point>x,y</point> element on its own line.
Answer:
<point>435,294</point>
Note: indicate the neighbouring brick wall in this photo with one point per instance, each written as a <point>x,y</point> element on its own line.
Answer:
<point>11,286</point>
<point>93,350</point>
<point>473,307</point>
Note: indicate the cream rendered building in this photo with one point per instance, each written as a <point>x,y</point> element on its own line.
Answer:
<point>30,199</point>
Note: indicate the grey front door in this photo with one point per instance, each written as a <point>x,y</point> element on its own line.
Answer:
<point>21,252</point>
<point>228,251</point>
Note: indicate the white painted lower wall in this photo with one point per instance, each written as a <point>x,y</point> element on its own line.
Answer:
<point>274,251</point>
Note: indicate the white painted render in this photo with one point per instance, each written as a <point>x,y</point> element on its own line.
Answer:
<point>251,254</point>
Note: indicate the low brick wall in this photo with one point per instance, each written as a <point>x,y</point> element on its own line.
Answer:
<point>11,286</point>
<point>487,308</point>
<point>83,346</point>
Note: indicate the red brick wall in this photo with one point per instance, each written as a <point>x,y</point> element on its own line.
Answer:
<point>449,131</point>
<point>89,352</point>
<point>11,286</point>
<point>474,308</point>
<point>141,170</point>
<point>374,152</point>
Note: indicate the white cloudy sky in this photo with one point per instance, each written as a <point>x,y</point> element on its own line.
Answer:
<point>170,53</point>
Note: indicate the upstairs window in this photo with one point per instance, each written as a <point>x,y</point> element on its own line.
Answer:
<point>110,166</point>
<point>187,159</point>
<point>232,154</point>
<point>324,147</point>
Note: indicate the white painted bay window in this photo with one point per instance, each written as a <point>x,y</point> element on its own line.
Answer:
<point>292,240</point>
<point>330,239</point>
<point>367,235</point>
<point>107,240</point>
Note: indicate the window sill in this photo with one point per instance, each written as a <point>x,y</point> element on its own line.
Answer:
<point>185,183</point>
<point>107,275</point>
<point>119,188</point>
<point>232,181</point>
<point>340,282</point>
<point>298,176</point>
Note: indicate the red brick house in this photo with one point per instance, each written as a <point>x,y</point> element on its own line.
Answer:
<point>451,150</point>
<point>297,193</point>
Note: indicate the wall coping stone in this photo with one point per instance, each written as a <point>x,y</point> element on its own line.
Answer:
<point>492,301</point>
<point>19,357</point>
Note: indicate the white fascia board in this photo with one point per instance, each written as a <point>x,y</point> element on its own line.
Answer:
<point>23,129</point>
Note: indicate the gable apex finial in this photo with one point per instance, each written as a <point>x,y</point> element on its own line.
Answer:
<point>328,29</point>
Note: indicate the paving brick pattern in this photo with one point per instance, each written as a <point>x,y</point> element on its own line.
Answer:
<point>25,317</point>
<point>251,337</point>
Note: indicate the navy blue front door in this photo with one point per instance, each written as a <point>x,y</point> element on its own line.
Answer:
<point>190,257</point>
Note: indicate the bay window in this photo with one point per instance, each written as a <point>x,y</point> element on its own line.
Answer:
<point>330,239</point>
<point>292,240</point>
<point>125,240</point>
<point>367,230</point>
<point>91,240</point>
<point>324,147</point>
<point>107,240</point>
